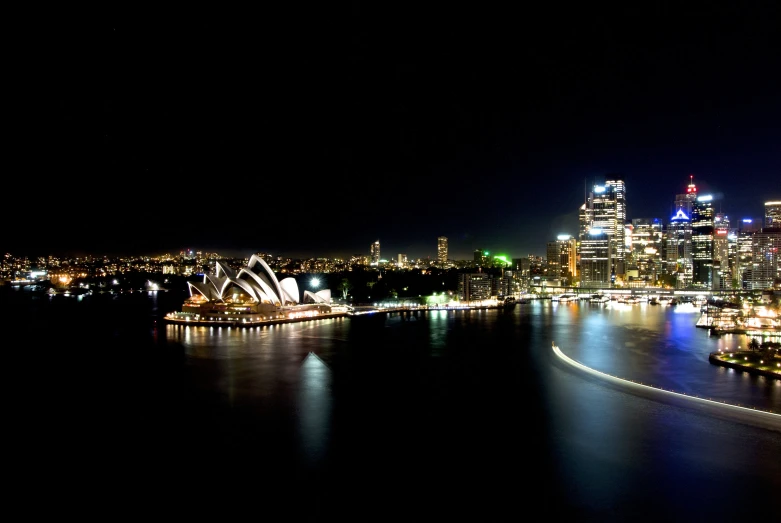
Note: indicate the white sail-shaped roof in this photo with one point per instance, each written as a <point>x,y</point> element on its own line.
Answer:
<point>205,289</point>
<point>323,296</point>
<point>261,283</point>
<point>251,290</point>
<point>226,270</point>
<point>219,283</point>
<point>265,274</point>
<point>290,289</point>
<point>258,281</point>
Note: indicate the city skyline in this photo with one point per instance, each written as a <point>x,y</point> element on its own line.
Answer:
<point>319,137</point>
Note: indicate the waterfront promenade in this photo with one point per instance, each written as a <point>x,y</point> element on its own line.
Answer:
<point>177,318</point>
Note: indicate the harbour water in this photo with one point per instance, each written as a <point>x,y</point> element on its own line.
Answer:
<point>439,415</point>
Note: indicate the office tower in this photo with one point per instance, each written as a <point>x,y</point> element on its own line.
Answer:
<point>766,265</point>
<point>679,249</point>
<point>561,257</point>
<point>442,250</point>
<point>374,251</point>
<point>773,214</point>
<point>745,252</point>
<point>605,210</point>
<point>553,259</point>
<point>686,200</point>
<point>702,220</point>
<point>722,261</point>
<point>595,256</point>
<point>646,248</point>
<point>585,218</point>
<point>402,260</point>
<point>678,245</point>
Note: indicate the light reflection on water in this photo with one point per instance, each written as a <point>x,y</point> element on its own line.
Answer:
<point>648,344</point>
<point>447,414</point>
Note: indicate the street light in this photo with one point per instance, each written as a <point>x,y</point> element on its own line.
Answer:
<point>315,282</point>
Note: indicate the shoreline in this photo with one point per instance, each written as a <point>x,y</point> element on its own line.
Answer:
<point>715,359</point>
<point>239,322</point>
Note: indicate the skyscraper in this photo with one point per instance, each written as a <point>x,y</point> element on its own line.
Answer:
<point>773,214</point>
<point>442,250</point>
<point>686,200</point>
<point>562,258</point>
<point>646,250</point>
<point>595,271</point>
<point>702,242</point>
<point>678,248</point>
<point>744,265</point>
<point>678,251</point>
<point>766,265</point>
<point>605,210</point>
<point>374,250</point>
<point>722,268</point>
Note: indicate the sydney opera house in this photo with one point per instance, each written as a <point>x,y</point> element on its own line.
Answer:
<point>250,295</point>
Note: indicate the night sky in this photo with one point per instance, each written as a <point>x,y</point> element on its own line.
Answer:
<point>316,130</point>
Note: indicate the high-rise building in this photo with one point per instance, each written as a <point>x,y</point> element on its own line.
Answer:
<point>605,210</point>
<point>374,251</point>
<point>722,270</point>
<point>442,250</point>
<point>745,252</point>
<point>679,249</point>
<point>646,248</point>
<point>678,244</point>
<point>562,258</point>
<point>595,256</point>
<point>766,265</point>
<point>702,242</point>
<point>686,200</point>
<point>773,214</point>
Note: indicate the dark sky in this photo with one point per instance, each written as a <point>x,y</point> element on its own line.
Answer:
<point>314,131</point>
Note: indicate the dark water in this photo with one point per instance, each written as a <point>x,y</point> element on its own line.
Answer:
<point>443,415</point>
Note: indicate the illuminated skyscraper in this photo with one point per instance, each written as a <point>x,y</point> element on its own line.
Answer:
<point>562,258</point>
<point>374,251</point>
<point>703,231</point>
<point>722,261</point>
<point>678,245</point>
<point>766,268</point>
<point>745,253</point>
<point>773,214</point>
<point>442,250</point>
<point>595,271</point>
<point>645,253</point>
<point>679,248</point>
<point>686,200</point>
<point>605,210</point>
